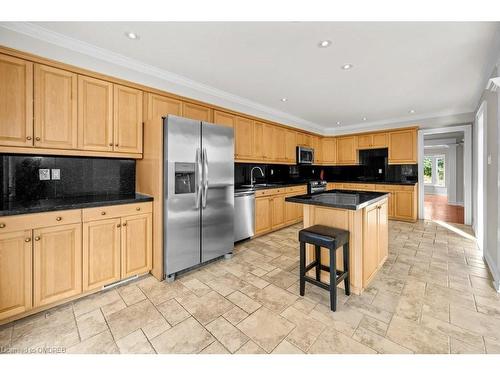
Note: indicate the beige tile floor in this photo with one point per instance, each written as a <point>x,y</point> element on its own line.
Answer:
<point>433,295</point>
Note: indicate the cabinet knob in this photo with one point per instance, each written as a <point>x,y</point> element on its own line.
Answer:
<point>28,138</point>
<point>118,225</point>
<point>116,144</point>
<point>37,138</point>
<point>137,208</point>
<point>124,224</point>
<point>37,238</point>
<point>59,218</point>
<point>103,213</point>
<point>2,225</point>
<point>27,239</point>
<point>111,144</point>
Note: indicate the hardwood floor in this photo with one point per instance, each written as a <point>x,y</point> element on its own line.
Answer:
<point>437,208</point>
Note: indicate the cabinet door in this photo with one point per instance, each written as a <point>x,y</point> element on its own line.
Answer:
<point>291,213</point>
<point>390,204</point>
<point>55,108</point>
<point>57,263</point>
<point>262,215</point>
<point>157,106</point>
<point>137,245</point>
<point>370,249</point>
<point>279,144</point>
<point>267,142</point>
<point>365,141</point>
<point>95,114</point>
<point>403,147</point>
<point>379,140</point>
<point>290,146</point>
<point>243,135</point>
<point>258,147</point>
<point>329,148</point>
<point>278,211</point>
<point>318,150</point>
<point>383,230</point>
<point>403,205</point>
<point>224,119</point>
<point>101,253</point>
<point>16,102</point>
<point>197,112</point>
<point>127,119</point>
<point>15,273</point>
<point>346,150</point>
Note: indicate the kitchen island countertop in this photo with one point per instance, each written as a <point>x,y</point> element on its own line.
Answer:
<point>345,199</point>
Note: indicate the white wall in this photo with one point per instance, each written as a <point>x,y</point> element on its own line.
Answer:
<point>460,181</point>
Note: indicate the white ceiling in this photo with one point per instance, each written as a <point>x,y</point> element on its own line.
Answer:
<point>437,69</point>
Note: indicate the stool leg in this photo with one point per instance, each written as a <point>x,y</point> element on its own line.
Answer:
<point>318,262</point>
<point>333,280</point>
<point>347,281</point>
<point>302,268</point>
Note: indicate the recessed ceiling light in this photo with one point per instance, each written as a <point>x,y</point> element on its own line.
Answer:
<point>411,111</point>
<point>284,99</point>
<point>338,122</point>
<point>131,35</point>
<point>324,43</point>
<point>346,66</point>
<point>364,118</point>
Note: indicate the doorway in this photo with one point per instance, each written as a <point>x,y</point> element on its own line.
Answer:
<point>480,179</point>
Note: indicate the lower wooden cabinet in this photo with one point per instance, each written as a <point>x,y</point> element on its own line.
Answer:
<point>263,215</point>
<point>57,263</point>
<point>375,227</point>
<point>137,244</point>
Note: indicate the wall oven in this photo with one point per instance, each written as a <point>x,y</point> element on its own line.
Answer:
<point>305,155</point>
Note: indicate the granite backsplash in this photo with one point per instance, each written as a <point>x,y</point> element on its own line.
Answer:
<point>79,176</point>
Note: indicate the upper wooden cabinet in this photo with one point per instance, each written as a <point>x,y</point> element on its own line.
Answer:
<point>243,138</point>
<point>374,140</point>
<point>290,146</point>
<point>403,146</point>
<point>317,145</point>
<point>347,151</point>
<point>95,114</point>
<point>258,143</point>
<point>158,106</point>
<point>267,142</point>
<point>127,119</point>
<point>278,144</point>
<point>224,119</point>
<point>329,150</point>
<point>16,102</point>
<point>55,108</point>
<point>197,112</point>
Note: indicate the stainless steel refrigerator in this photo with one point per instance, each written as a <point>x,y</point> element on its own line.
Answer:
<point>198,193</point>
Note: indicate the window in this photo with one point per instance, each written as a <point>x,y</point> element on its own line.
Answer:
<point>434,170</point>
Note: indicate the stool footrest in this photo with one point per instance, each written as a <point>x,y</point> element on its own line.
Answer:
<point>340,277</point>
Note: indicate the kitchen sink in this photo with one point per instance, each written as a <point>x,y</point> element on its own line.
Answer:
<point>259,185</point>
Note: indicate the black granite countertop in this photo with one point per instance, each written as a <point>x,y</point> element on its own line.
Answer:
<point>345,199</point>
<point>376,182</point>
<point>8,208</point>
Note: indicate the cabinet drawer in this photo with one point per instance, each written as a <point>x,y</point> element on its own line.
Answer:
<point>360,186</point>
<point>296,189</point>
<point>98,213</point>
<point>386,188</point>
<point>39,220</point>
<point>268,192</point>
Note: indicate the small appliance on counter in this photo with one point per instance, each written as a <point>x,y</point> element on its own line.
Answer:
<point>316,186</point>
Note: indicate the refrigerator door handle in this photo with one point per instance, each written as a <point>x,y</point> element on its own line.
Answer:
<point>199,178</point>
<point>205,178</point>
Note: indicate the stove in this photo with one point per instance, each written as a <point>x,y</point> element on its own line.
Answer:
<point>316,186</point>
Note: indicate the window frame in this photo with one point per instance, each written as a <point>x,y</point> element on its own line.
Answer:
<point>434,170</point>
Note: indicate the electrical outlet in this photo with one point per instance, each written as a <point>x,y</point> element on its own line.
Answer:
<point>489,159</point>
<point>44,174</point>
<point>272,172</point>
<point>380,171</point>
<point>56,174</point>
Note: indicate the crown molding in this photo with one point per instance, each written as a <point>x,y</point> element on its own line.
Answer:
<point>63,41</point>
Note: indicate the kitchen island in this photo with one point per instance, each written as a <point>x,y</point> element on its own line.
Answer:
<point>364,215</point>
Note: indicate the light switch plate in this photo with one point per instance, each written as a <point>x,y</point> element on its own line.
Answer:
<point>56,174</point>
<point>380,171</point>
<point>44,174</point>
<point>489,159</point>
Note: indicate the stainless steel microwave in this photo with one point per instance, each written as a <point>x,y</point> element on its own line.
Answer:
<point>305,155</point>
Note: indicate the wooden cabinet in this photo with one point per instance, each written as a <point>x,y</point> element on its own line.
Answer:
<point>101,253</point>
<point>55,108</point>
<point>404,207</point>
<point>224,119</point>
<point>278,144</point>
<point>16,102</point>
<point>347,151</point>
<point>158,105</point>
<point>383,222</point>
<point>197,112</point>
<point>268,143</point>
<point>258,141</point>
<point>403,146</point>
<point>375,228</point>
<point>329,150</point>
<point>57,263</point>
<point>15,273</point>
<point>136,247</point>
<point>95,114</point>
<point>278,211</point>
<point>243,138</point>
<point>290,146</point>
<point>263,215</point>
<point>375,140</point>
<point>317,145</point>
<point>127,119</point>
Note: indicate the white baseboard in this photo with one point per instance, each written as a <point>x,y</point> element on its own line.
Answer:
<point>493,270</point>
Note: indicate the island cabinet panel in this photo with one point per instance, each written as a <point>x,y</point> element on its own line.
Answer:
<point>156,106</point>
<point>403,147</point>
<point>370,250</point>
<point>127,119</point>
<point>16,102</point>
<point>197,112</point>
<point>383,240</point>
<point>347,151</point>
<point>55,108</point>
<point>136,248</point>
<point>15,273</point>
<point>57,263</point>
<point>243,138</point>
<point>263,218</point>
<point>95,114</point>
<point>101,253</point>
<point>290,146</point>
<point>329,150</point>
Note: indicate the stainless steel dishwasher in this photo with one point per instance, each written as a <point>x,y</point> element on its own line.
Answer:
<point>244,214</point>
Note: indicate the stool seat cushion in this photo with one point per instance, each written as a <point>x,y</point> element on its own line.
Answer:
<point>324,236</point>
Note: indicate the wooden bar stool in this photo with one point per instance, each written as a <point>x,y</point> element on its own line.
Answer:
<point>330,238</point>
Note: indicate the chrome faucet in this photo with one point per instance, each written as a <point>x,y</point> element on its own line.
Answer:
<point>252,179</point>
